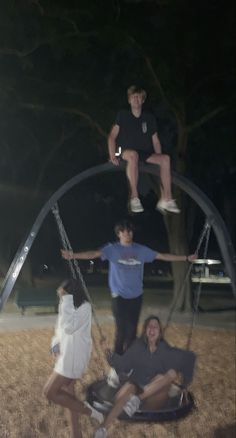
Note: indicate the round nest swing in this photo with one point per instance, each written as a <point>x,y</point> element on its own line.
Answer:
<point>179,403</point>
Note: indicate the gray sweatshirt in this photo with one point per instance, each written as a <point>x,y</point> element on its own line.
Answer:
<point>147,365</point>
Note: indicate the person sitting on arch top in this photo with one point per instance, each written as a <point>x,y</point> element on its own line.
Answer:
<point>135,132</point>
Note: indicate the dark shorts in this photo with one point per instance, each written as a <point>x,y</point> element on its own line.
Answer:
<point>143,155</point>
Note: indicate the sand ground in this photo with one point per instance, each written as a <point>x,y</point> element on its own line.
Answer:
<point>25,364</point>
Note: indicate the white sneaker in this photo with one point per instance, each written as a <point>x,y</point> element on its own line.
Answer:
<point>132,405</point>
<point>101,433</point>
<point>135,205</point>
<point>163,206</point>
<point>103,407</point>
<point>172,206</point>
<point>113,378</point>
<point>95,414</point>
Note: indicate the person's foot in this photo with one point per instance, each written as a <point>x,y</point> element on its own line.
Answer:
<point>135,205</point>
<point>98,416</point>
<point>132,405</point>
<point>163,206</point>
<point>101,433</point>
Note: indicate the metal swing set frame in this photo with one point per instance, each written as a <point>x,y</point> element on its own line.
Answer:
<point>213,220</point>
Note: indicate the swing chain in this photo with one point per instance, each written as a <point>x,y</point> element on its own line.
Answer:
<point>199,289</point>
<point>73,264</point>
<point>204,231</point>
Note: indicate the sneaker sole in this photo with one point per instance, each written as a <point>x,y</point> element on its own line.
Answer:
<point>161,210</point>
<point>173,211</point>
<point>167,210</point>
<point>101,407</point>
<point>137,211</point>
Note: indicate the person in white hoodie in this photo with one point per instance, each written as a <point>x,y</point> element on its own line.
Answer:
<point>71,346</point>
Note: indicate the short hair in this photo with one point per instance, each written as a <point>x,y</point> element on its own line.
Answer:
<point>74,287</point>
<point>135,89</point>
<point>122,225</point>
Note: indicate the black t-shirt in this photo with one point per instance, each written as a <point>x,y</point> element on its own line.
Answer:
<point>135,132</point>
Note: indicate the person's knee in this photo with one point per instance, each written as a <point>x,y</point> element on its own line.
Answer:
<point>132,156</point>
<point>129,389</point>
<point>165,160</point>
<point>172,375</point>
<point>161,160</point>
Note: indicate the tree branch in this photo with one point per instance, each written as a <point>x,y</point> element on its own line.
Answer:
<point>52,151</point>
<point>149,66</point>
<point>205,118</point>
<point>44,41</point>
<point>74,111</point>
<point>154,75</point>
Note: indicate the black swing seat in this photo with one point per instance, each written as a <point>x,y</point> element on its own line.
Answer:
<point>100,395</point>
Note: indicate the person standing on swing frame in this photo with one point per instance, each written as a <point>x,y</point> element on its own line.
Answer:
<point>135,133</point>
<point>126,269</point>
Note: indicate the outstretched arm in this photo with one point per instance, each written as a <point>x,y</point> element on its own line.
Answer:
<point>112,144</point>
<point>176,258</point>
<point>84,255</point>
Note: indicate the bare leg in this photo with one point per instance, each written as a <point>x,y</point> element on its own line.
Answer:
<point>55,392</point>
<point>165,176</point>
<point>122,397</point>
<point>132,170</point>
<point>74,421</point>
<point>158,384</point>
<point>157,400</point>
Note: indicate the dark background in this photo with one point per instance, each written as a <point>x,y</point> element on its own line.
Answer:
<point>65,67</point>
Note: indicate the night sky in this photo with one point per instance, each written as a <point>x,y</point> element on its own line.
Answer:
<point>65,67</point>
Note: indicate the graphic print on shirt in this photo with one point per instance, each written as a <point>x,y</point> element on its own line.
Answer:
<point>130,260</point>
<point>144,127</point>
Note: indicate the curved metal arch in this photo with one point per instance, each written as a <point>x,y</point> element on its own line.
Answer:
<point>212,214</point>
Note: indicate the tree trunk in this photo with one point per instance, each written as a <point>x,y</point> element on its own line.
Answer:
<point>176,229</point>
<point>176,226</point>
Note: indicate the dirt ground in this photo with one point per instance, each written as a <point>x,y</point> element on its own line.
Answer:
<point>25,364</point>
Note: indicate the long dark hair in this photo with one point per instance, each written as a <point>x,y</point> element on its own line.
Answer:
<point>145,324</point>
<point>74,287</point>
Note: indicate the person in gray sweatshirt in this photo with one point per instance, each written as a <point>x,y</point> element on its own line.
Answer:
<point>153,365</point>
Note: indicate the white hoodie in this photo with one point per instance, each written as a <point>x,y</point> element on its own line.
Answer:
<point>73,333</point>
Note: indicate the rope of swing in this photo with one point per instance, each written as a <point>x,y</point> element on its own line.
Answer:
<point>204,234</point>
<point>74,266</point>
<point>197,293</point>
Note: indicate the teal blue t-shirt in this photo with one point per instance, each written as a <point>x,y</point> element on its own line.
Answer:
<point>126,265</point>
